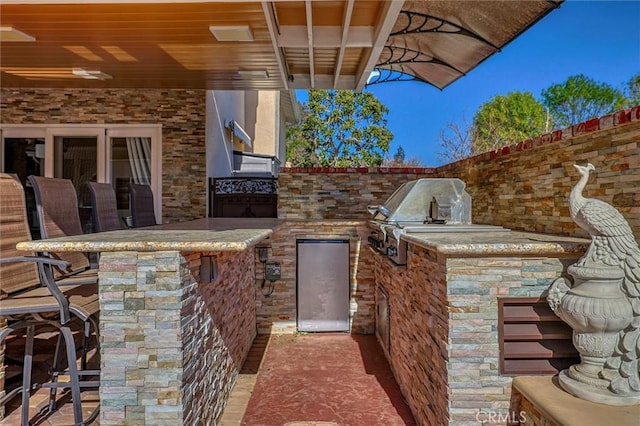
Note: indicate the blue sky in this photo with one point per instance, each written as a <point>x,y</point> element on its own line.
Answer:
<point>600,39</point>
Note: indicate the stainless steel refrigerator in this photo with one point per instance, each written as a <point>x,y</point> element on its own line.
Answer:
<point>323,285</point>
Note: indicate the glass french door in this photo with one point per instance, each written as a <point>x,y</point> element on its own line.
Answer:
<point>134,155</point>
<point>109,154</point>
<point>23,154</point>
<point>75,157</point>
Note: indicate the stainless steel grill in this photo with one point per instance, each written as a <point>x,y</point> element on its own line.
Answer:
<point>422,206</point>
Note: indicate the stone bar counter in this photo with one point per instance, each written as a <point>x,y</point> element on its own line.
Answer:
<point>444,319</point>
<point>172,342</point>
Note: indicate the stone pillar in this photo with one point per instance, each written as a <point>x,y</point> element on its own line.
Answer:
<point>140,338</point>
<point>172,346</point>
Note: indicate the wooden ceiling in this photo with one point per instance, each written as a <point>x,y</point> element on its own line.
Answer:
<point>164,44</point>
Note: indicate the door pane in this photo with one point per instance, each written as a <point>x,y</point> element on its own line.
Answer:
<point>130,162</point>
<point>76,159</point>
<point>24,157</point>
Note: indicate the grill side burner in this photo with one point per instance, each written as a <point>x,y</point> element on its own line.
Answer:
<point>422,206</point>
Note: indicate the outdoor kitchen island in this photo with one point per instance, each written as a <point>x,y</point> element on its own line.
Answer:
<point>442,315</point>
<point>167,356</point>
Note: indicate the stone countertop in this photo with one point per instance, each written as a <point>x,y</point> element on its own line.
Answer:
<point>503,243</point>
<point>213,234</point>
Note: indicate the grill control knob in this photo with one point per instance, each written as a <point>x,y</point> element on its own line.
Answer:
<point>392,251</point>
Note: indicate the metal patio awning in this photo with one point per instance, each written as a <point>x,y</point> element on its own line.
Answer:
<point>438,42</point>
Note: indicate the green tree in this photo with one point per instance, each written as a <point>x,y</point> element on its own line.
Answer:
<point>580,98</point>
<point>508,119</point>
<point>340,128</point>
<point>632,91</point>
<point>399,155</point>
<point>399,159</point>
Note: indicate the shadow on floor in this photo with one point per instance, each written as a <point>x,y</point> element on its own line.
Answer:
<point>256,354</point>
<point>375,363</point>
<point>43,351</point>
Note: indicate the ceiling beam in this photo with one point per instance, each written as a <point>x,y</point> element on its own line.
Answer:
<point>325,36</point>
<point>387,19</point>
<point>323,81</point>
<point>269,15</point>
<point>312,69</point>
<point>346,23</point>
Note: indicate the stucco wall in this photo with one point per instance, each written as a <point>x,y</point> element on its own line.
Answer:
<point>181,113</point>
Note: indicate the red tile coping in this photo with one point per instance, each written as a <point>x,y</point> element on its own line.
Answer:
<point>592,125</point>
<point>381,170</point>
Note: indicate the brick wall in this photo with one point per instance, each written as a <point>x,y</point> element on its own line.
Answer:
<point>181,113</point>
<point>444,322</point>
<point>524,186</point>
<point>277,312</point>
<point>171,346</point>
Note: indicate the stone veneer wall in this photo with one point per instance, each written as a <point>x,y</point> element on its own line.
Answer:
<point>532,416</point>
<point>3,323</point>
<point>444,322</point>
<point>418,334</point>
<point>172,347</point>
<point>182,114</point>
<point>277,312</point>
<point>526,186</point>
<point>521,187</point>
<point>339,193</point>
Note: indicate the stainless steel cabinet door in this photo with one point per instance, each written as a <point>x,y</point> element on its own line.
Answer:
<point>323,285</point>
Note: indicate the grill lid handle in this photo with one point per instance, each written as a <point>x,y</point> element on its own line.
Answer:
<point>374,210</point>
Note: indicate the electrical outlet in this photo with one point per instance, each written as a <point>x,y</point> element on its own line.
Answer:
<point>272,271</point>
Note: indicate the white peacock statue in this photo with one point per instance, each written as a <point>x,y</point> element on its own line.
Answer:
<point>613,242</point>
<point>613,248</point>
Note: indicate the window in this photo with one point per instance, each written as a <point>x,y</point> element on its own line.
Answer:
<point>113,154</point>
<point>134,155</point>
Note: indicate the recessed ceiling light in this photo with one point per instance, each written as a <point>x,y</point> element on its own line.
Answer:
<point>91,75</point>
<point>38,73</point>
<point>254,74</point>
<point>12,34</point>
<point>232,33</point>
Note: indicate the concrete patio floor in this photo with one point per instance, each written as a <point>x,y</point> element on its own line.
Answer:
<point>316,379</point>
<point>293,380</point>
